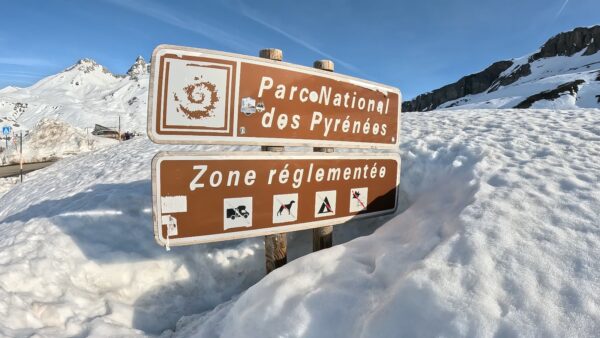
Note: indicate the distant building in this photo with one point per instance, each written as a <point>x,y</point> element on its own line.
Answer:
<point>103,131</point>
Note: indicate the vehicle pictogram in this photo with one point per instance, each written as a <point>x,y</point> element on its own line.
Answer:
<point>237,213</point>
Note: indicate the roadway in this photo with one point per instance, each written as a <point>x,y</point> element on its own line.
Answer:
<point>14,169</point>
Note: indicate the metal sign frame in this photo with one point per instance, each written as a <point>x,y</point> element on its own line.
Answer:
<point>234,139</point>
<point>156,192</point>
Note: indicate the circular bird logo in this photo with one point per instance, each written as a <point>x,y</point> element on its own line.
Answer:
<point>197,100</point>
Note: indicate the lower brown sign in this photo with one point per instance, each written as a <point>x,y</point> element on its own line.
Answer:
<point>210,197</point>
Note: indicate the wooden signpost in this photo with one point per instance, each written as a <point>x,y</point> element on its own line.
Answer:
<point>199,96</point>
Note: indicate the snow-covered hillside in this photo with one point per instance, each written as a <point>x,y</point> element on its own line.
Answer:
<point>82,95</point>
<point>500,238</point>
<point>563,74</point>
<point>581,74</point>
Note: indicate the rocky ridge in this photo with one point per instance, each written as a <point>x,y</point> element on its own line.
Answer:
<point>584,41</point>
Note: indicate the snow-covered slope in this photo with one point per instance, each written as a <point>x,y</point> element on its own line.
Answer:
<point>82,95</point>
<point>563,74</point>
<point>547,75</point>
<point>500,239</point>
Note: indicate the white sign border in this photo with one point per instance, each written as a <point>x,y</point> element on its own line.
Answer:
<point>156,213</point>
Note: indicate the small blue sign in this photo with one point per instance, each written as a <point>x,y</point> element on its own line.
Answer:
<point>6,130</point>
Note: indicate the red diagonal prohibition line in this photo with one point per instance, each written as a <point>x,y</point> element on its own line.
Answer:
<point>358,199</point>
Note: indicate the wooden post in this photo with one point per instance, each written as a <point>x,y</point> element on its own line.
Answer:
<point>21,157</point>
<point>323,236</point>
<point>275,245</point>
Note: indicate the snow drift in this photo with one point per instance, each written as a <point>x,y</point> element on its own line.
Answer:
<point>500,238</point>
<point>53,139</point>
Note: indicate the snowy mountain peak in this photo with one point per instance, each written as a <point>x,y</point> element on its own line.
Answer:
<point>139,67</point>
<point>87,65</point>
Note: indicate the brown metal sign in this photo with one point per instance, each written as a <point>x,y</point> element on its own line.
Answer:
<point>210,197</point>
<point>204,96</point>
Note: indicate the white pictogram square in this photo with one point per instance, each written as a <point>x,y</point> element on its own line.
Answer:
<point>359,199</point>
<point>197,94</point>
<point>325,203</point>
<point>285,208</point>
<point>237,213</point>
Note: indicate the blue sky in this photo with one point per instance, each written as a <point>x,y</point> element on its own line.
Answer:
<point>414,45</point>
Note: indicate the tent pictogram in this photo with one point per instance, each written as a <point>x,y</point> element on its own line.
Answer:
<point>325,207</point>
<point>325,203</point>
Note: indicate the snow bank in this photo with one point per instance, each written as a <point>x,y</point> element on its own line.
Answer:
<point>52,139</point>
<point>501,239</point>
<point>78,256</point>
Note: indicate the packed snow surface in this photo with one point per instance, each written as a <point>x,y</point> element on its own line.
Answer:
<point>500,237</point>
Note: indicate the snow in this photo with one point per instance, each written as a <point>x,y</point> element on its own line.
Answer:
<point>546,74</point>
<point>499,237</point>
<point>53,139</point>
<point>78,254</point>
<point>82,95</point>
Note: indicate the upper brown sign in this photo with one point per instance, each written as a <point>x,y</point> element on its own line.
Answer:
<point>209,197</point>
<point>204,96</point>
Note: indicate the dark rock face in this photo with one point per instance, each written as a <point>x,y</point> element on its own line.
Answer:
<point>470,84</point>
<point>571,87</point>
<point>563,44</point>
<point>511,78</point>
<point>569,43</point>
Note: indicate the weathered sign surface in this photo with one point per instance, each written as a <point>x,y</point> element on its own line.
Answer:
<point>209,197</point>
<point>204,96</point>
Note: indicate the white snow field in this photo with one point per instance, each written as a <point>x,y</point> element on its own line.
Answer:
<point>500,237</point>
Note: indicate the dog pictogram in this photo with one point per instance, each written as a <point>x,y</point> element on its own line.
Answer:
<point>287,207</point>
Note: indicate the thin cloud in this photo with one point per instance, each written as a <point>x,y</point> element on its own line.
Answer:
<point>165,15</point>
<point>24,61</point>
<point>20,75</point>
<point>562,8</point>
<point>300,41</point>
